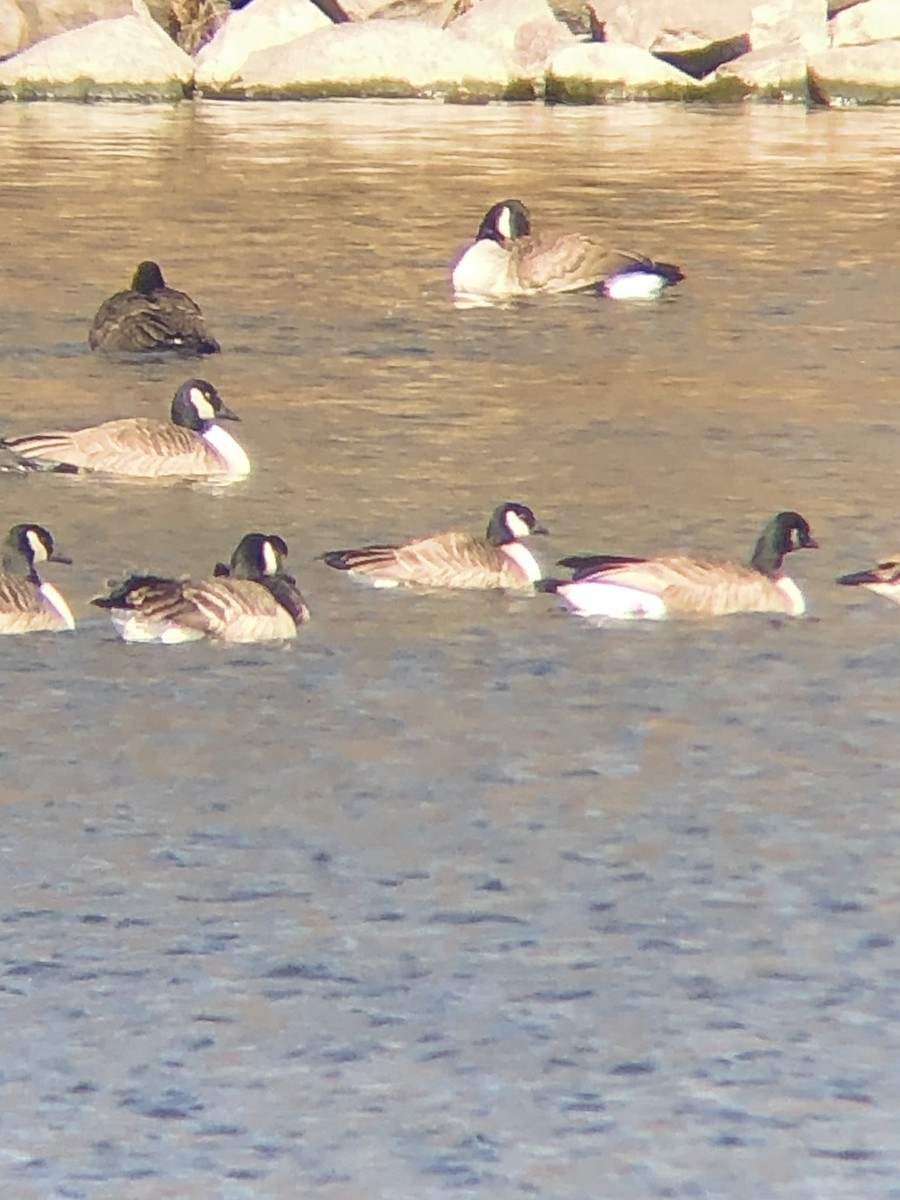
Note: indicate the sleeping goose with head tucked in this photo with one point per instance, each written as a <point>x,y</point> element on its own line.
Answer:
<point>508,258</point>
<point>150,316</point>
<point>192,445</point>
<point>252,599</point>
<point>681,585</point>
<point>28,604</point>
<point>453,559</point>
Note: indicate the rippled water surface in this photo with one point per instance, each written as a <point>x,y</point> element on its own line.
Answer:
<point>458,895</point>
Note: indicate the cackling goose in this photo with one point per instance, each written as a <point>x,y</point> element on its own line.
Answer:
<point>677,584</point>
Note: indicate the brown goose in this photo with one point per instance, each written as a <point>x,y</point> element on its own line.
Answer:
<point>192,445</point>
<point>677,584</point>
<point>150,316</point>
<point>27,603</point>
<point>453,559</point>
<point>509,259</point>
<point>882,579</point>
<point>251,600</point>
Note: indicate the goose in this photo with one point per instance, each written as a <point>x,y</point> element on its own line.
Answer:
<point>677,584</point>
<point>453,559</point>
<point>27,603</point>
<point>192,445</point>
<point>251,599</point>
<point>508,259</point>
<point>150,316</point>
<point>882,579</point>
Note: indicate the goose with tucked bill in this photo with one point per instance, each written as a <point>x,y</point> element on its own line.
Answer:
<point>509,258</point>
<point>251,599</point>
<point>150,316</point>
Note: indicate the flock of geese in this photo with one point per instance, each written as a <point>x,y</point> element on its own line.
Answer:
<point>253,598</point>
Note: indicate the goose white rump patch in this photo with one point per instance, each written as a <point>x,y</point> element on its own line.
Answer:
<point>611,600</point>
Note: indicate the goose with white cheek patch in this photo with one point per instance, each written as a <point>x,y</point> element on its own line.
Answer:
<point>150,316</point>
<point>508,258</point>
<point>28,604</point>
<point>680,585</point>
<point>453,559</point>
<point>193,445</point>
<point>882,579</point>
<point>252,599</point>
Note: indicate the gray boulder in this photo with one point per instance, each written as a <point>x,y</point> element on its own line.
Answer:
<point>672,24</point>
<point>381,58</point>
<point>34,22</point>
<point>525,30</point>
<point>789,22</point>
<point>13,27</point>
<point>127,57</point>
<point>773,73</point>
<point>260,26</point>
<point>857,74</point>
<point>874,21</point>
<point>594,72</point>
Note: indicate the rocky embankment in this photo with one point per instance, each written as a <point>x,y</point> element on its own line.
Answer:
<point>564,51</point>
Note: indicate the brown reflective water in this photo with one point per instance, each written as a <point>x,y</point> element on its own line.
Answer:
<point>458,895</point>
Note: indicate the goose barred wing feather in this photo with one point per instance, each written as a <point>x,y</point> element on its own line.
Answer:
<point>444,560</point>
<point>233,610</point>
<point>131,446</point>
<point>569,262</point>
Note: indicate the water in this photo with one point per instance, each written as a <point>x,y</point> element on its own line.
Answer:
<point>458,896</point>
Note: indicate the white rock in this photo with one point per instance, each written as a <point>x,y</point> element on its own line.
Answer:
<point>679,23</point>
<point>259,26</point>
<point>129,55</point>
<point>13,27</point>
<point>776,72</point>
<point>779,22</point>
<point>858,74</point>
<point>526,30</point>
<point>378,58</point>
<point>594,68</point>
<point>875,21</point>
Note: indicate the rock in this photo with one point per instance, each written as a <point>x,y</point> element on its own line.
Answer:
<point>783,22</point>
<point>672,24</point>
<point>124,58</point>
<point>705,57</point>
<point>259,26</point>
<point>592,72</point>
<point>13,28</point>
<point>856,74</point>
<point>773,73</point>
<point>836,6</point>
<point>525,30</point>
<point>38,21</point>
<point>383,59</point>
<point>875,21</point>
